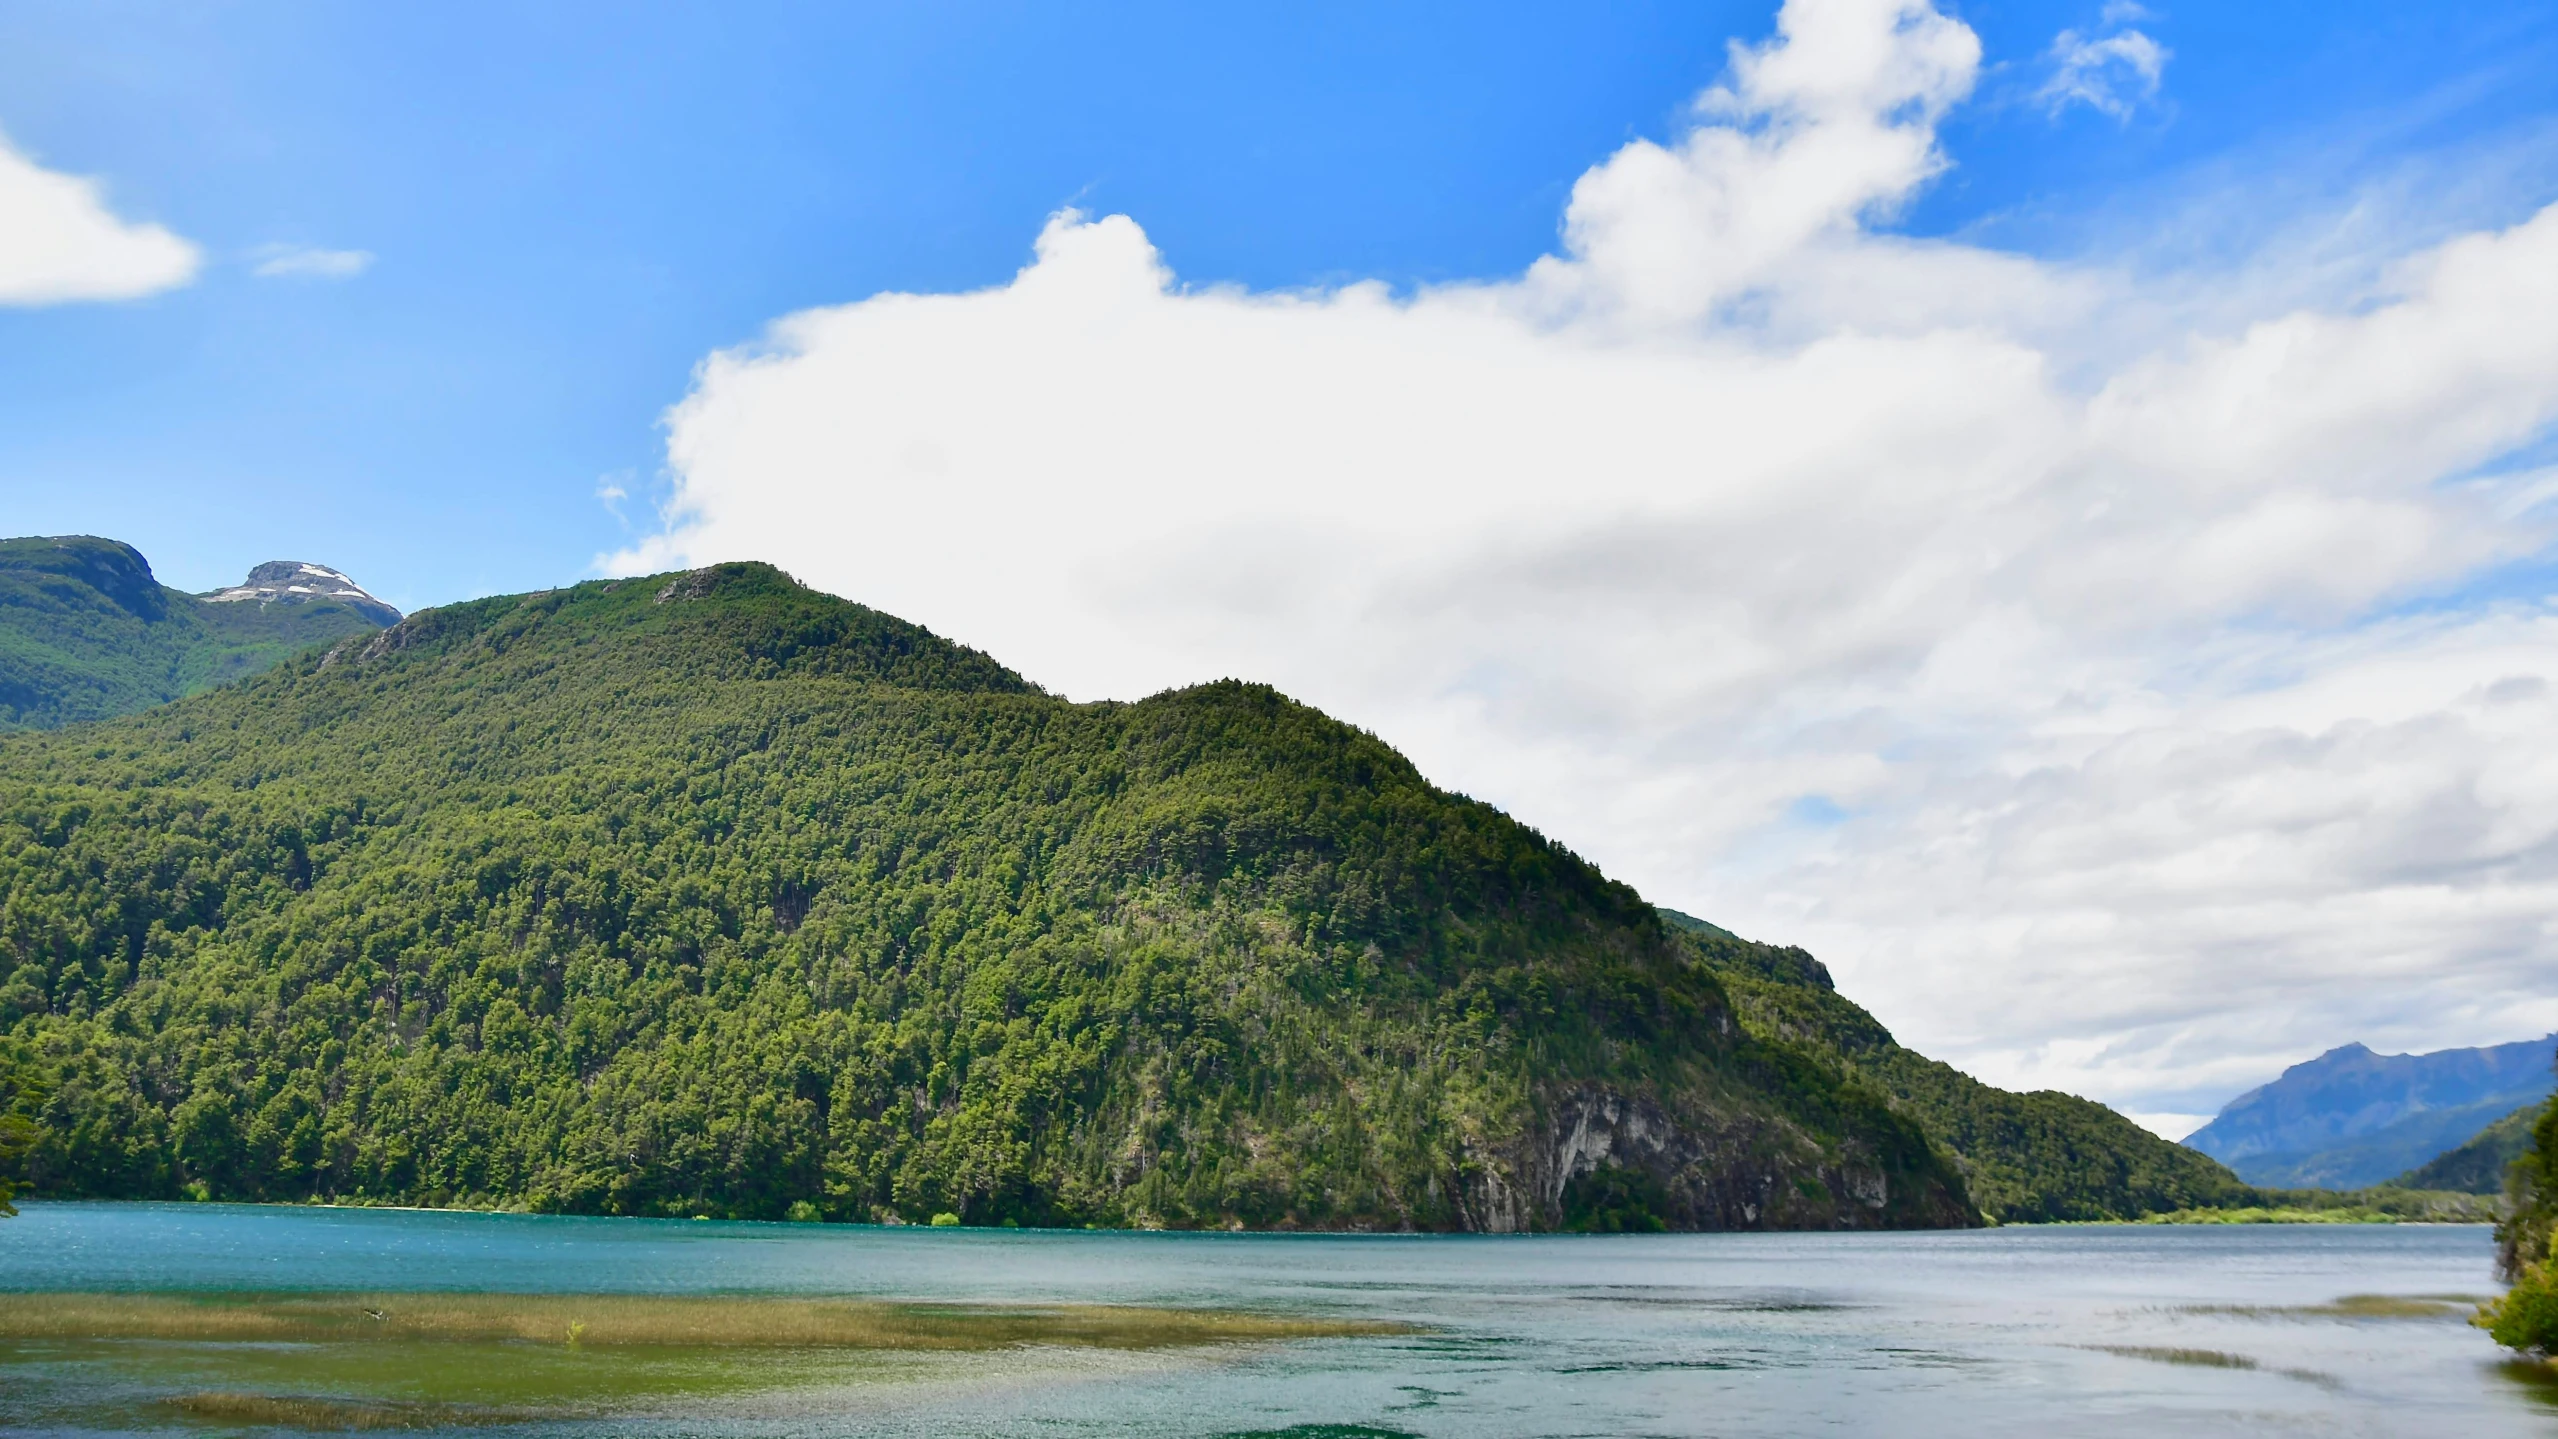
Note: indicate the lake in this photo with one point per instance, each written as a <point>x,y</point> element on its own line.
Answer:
<point>2131,1330</point>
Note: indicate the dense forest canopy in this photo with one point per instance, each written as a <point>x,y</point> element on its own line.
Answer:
<point>710,894</point>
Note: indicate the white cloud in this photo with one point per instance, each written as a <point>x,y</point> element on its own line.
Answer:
<point>612,492</point>
<point>59,241</point>
<point>1972,618</point>
<point>310,263</point>
<point>2112,74</point>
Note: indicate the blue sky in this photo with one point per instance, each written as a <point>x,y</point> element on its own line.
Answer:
<point>569,206</point>
<point>2052,506</point>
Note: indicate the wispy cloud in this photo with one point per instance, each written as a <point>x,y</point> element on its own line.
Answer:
<point>310,262</point>
<point>2113,72</point>
<point>59,241</point>
<point>612,491</point>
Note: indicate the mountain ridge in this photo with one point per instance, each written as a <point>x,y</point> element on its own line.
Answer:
<point>2351,1117</point>
<point>87,631</point>
<point>706,893</point>
<point>2032,1157</point>
<point>2479,1164</point>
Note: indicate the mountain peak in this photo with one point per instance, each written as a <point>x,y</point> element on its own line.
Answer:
<point>2352,1117</point>
<point>113,571</point>
<point>301,582</point>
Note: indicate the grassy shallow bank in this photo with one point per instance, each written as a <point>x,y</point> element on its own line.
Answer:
<point>623,1320</point>
<point>2291,1214</point>
<point>2383,1205</point>
<point>406,1360</point>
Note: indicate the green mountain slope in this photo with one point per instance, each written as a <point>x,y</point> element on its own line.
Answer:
<point>2027,1157</point>
<point>86,632</point>
<point>709,894</point>
<point>2478,1165</point>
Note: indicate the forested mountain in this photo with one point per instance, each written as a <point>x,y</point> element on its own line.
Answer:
<point>2478,1166</point>
<point>87,632</point>
<point>2027,1157</point>
<point>710,894</point>
<point>2351,1117</point>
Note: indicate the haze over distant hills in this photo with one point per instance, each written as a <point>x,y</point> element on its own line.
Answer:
<point>2351,1118</point>
<point>88,632</point>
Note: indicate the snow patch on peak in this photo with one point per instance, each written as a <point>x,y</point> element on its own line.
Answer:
<point>301,582</point>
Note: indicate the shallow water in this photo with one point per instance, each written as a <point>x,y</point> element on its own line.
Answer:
<point>2097,1330</point>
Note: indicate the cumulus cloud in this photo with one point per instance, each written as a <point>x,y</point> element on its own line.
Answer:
<point>2083,691</point>
<point>60,242</point>
<point>308,262</point>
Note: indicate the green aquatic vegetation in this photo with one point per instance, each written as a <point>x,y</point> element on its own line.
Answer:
<point>2195,1358</point>
<point>299,1411</point>
<point>2351,1306</point>
<point>2399,1306</point>
<point>2535,1375</point>
<point>2171,1354</point>
<point>598,1321</point>
<point>408,1360</point>
<point>544,1374</point>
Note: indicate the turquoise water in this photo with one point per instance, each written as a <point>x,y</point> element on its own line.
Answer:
<point>2089,1331</point>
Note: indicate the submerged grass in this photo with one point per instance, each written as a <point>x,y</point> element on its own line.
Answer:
<point>2166,1354</point>
<point>311,1412</point>
<point>2351,1306</point>
<point>2191,1358</point>
<point>625,1320</point>
<point>410,1361</point>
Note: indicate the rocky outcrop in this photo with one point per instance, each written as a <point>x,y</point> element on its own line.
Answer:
<point>300,582</point>
<point>1698,1172</point>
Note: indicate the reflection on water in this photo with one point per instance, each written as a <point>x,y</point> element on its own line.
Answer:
<point>2325,1329</point>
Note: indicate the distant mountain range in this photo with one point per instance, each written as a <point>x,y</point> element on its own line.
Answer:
<point>87,632</point>
<point>2351,1118</point>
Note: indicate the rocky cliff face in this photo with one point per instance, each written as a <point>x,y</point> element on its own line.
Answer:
<point>1601,1159</point>
<point>301,582</point>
